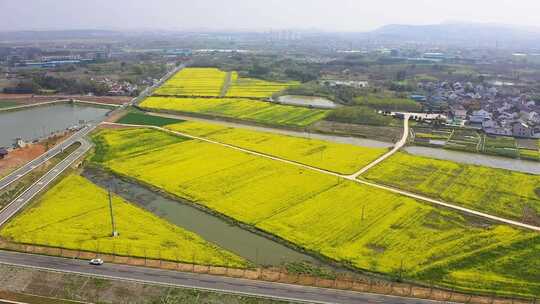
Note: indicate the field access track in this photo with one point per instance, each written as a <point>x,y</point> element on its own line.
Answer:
<point>349,177</point>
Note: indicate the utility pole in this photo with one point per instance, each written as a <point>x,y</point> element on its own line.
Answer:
<point>114,232</point>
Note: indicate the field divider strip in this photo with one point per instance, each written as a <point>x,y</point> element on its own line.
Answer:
<point>347,177</point>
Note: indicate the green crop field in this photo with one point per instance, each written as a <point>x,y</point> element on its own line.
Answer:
<point>500,146</point>
<point>341,158</point>
<point>361,226</point>
<point>251,110</point>
<point>140,118</point>
<point>529,154</point>
<point>464,140</point>
<point>194,82</point>
<point>500,192</point>
<point>74,214</point>
<point>255,88</point>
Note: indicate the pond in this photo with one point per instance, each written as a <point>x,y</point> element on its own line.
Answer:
<point>313,101</point>
<point>249,245</point>
<point>40,121</point>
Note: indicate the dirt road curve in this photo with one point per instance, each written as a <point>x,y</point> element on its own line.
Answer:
<point>348,177</point>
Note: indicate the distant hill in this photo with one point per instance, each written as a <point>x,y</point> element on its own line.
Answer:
<point>460,33</point>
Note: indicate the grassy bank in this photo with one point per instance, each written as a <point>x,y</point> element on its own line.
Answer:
<point>47,287</point>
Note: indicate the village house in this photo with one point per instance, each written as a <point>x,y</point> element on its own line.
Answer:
<point>534,118</point>
<point>480,116</point>
<point>520,129</point>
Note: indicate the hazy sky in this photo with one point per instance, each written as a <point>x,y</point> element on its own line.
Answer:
<point>347,15</point>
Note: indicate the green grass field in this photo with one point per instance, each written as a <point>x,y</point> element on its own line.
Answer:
<point>340,158</point>
<point>366,228</point>
<point>500,192</point>
<point>8,104</point>
<point>74,214</point>
<point>244,109</point>
<point>139,118</point>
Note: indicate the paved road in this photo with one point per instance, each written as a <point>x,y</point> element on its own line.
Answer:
<point>396,148</point>
<point>200,281</point>
<point>149,90</point>
<point>12,208</point>
<point>348,177</point>
<point>22,171</point>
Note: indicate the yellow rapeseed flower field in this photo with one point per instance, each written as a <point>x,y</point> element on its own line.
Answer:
<point>194,82</point>
<point>245,109</point>
<point>500,192</point>
<point>74,214</point>
<point>361,226</point>
<point>341,158</point>
<point>255,88</point>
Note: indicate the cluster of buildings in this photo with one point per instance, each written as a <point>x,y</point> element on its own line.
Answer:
<point>118,88</point>
<point>493,109</point>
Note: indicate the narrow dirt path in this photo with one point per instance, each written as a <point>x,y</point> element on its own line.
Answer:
<point>347,177</point>
<point>396,148</point>
<point>226,85</point>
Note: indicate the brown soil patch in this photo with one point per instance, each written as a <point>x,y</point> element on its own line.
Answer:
<point>21,156</point>
<point>116,116</point>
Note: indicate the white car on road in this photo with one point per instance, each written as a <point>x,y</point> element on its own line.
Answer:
<point>96,262</point>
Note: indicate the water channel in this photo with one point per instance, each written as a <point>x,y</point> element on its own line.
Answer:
<point>308,101</point>
<point>249,245</point>
<point>526,166</point>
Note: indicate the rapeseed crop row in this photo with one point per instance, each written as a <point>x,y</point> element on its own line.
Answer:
<point>364,227</point>
<point>194,82</point>
<point>245,109</point>
<point>74,214</point>
<point>255,88</point>
<point>340,158</point>
<point>500,192</point>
